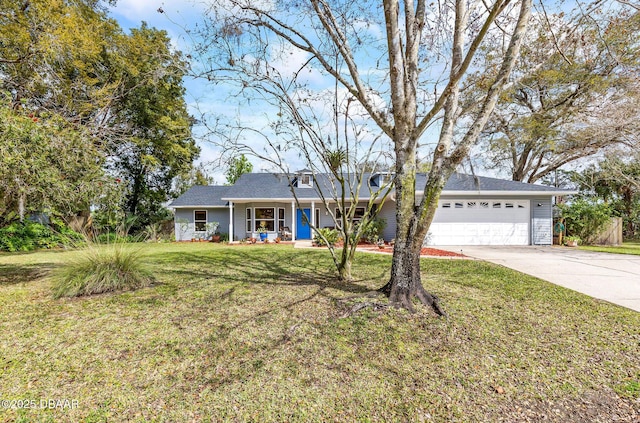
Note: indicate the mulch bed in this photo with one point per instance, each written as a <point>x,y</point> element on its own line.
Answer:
<point>388,249</point>
<point>426,251</point>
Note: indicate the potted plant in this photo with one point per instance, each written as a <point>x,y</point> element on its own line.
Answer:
<point>211,230</point>
<point>572,241</point>
<point>262,230</point>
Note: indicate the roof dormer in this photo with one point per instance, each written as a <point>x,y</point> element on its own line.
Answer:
<point>304,179</point>
<point>381,179</point>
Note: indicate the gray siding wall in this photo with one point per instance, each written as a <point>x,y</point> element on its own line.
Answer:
<point>184,221</point>
<point>388,213</point>
<point>541,221</point>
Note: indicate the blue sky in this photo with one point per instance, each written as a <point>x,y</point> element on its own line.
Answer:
<point>201,96</point>
<point>176,15</point>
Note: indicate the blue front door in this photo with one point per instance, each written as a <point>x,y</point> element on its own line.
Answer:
<point>303,230</point>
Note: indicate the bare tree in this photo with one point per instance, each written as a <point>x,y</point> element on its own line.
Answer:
<point>404,62</point>
<point>575,94</point>
<point>338,152</point>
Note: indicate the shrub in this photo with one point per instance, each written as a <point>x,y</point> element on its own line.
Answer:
<point>585,218</point>
<point>331,235</point>
<point>29,236</point>
<point>373,231</point>
<point>99,269</point>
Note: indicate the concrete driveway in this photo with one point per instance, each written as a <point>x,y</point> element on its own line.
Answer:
<point>611,277</point>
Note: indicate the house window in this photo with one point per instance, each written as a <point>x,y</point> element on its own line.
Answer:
<point>200,219</point>
<point>317,221</point>
<point>249,225</point>
<point>471,204</point>
<point>357,215</point>
<point>521,206</point>
<point>497,205</point>
<point>508,205</point>
<point>281,223</point>
<point>484,204</point>
<point>305,181</point>
<point>459,205</point>
<point>446,205</point>
<point>265,217</point>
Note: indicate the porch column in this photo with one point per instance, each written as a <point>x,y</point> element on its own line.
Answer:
<point>230,221</point>
<point>313,217</point>
<point>293,221</point>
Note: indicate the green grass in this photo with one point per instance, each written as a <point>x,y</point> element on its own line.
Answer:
<point>625,248</point>
<point>257,333</point>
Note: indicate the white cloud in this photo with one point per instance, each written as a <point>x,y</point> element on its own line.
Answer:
<point>288,60</point>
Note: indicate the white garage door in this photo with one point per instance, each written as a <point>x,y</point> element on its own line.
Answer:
<point>480,222</point>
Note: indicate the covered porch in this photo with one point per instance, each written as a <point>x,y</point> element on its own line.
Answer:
<point>278,219</point>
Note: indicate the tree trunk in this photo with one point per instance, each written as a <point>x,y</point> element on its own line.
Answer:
<point>344,272</point>
<point>21,205</point>
<point>406,282</point>
<point>344,267</point>
<point>132,207</point>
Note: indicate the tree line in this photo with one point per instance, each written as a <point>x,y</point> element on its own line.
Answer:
<point>91,117</point>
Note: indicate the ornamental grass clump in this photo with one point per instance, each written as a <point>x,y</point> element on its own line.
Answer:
<point>99,269</point>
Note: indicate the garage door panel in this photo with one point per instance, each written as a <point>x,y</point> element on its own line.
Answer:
<point>476,224</point>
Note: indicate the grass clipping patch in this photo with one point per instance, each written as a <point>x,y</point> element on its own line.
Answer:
<point>98,269</point>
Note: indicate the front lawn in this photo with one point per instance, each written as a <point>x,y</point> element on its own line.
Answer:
<point>625,248</point>
<point>259,333</point>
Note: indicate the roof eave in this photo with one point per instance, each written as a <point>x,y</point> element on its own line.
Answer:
<point>266,200</point>
<point>498,192</point>
<point>199,206</point>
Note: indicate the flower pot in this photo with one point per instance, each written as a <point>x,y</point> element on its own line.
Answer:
<point>215,238</point>
<point>263,236</point>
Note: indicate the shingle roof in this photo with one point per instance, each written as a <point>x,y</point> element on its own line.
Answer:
<point>276,186</point>
<point>265,186</point>
<point>203,195</point>
<point>463,182</point>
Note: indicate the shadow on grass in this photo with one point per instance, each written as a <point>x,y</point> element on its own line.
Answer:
<point>17,274</point>
<point>237,268</point>
<point>281,268</point>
